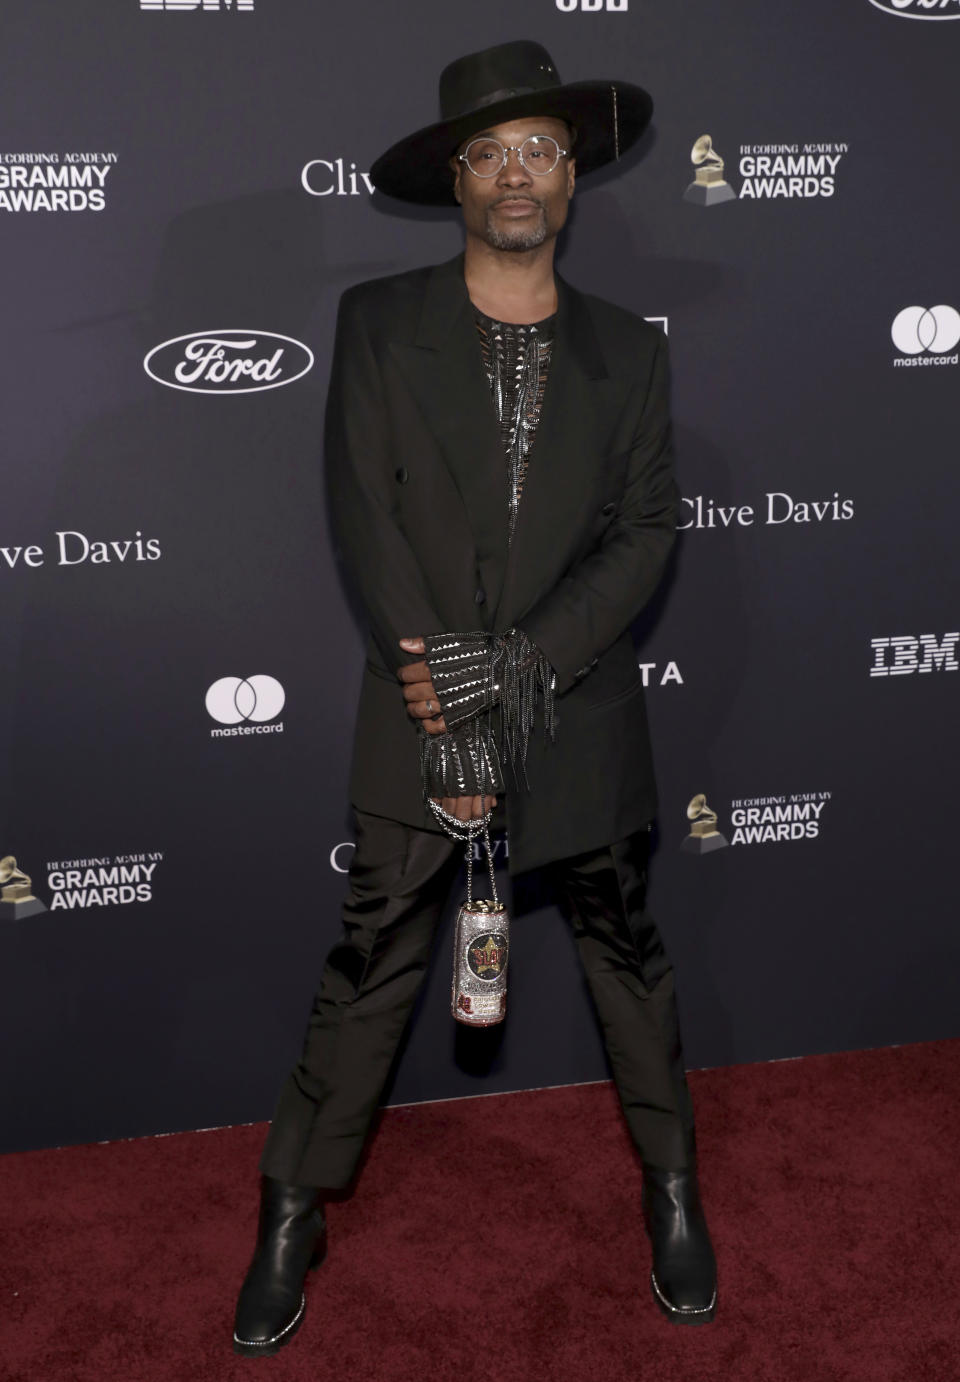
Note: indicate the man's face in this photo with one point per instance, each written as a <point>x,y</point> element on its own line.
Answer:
<point>516,209</point>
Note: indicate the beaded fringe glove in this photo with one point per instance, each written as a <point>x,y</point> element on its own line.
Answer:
<point>471,674</point>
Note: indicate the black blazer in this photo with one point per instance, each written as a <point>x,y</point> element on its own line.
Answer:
<point>418,494</point>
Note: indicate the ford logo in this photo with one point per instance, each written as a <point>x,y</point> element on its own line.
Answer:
<point>228,361</point>
<point>920,9</point>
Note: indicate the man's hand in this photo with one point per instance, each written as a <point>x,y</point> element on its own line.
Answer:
<point>418,692</point>
<point>465,808</point>
<point>422,704</point>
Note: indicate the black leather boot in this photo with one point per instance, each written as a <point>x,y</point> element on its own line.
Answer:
<point>291,1238</point>
<point>684,1276</point>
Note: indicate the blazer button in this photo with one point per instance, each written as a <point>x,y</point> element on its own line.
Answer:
<point>403,475</point>
<point>480,597</point>
<point>607,510</point>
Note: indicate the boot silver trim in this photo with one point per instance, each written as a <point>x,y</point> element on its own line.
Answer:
<point>683,1309</point>
<point>260,1343</point>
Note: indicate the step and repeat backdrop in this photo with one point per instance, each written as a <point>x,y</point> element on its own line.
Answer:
<point>184,195</point>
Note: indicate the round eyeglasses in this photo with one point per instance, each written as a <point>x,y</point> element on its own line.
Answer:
<point>539,154</point>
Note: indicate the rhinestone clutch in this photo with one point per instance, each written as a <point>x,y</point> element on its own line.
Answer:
<point>481,943</point>
<point>481,949</point>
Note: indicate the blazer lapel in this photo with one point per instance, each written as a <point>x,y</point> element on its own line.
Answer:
<point>570,439</point>
<point>444,369</point>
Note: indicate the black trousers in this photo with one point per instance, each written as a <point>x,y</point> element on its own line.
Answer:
<point>400,880</point>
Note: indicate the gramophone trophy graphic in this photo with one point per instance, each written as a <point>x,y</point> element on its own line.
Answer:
<point>704,836</point>
<point>16,899</point>
<point>708,187</point>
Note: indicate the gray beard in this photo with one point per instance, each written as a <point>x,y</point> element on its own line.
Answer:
<point>518,239</point>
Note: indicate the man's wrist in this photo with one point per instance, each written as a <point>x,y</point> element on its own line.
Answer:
<point>469,670</point>
<point>461,671</point>
<point>462,762</point>
<point>472,673</point>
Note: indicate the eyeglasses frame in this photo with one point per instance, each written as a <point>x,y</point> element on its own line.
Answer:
<point>511,149</point>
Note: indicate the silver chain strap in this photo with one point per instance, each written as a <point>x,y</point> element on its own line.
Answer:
<point>468,832</point>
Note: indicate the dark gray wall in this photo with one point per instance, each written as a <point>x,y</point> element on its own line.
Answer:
<point>185,1008</point>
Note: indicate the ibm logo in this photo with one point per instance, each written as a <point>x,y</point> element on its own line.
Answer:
<point>196,4</point>
<point>902,656</point>
<point>591,6</point>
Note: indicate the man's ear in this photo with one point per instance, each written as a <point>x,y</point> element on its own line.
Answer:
<point>456,167</point>
<point>571,175</point>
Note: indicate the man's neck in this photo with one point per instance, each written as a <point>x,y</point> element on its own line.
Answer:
<point>511,285</point>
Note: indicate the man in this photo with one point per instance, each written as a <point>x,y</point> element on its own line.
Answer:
<point>503,495</point>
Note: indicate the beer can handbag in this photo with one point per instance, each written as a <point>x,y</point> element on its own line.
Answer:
<point>481,935</point>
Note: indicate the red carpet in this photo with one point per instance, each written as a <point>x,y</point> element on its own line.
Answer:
<point>500,1238</point>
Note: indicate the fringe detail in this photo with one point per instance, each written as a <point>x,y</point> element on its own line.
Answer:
<point>467,759</point>
<point>523,671</point>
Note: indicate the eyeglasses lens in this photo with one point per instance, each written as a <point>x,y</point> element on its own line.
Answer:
<point>540,154</point>
<point>484,157</point>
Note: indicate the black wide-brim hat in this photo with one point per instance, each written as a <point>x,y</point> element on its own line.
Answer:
<point>510,82</point>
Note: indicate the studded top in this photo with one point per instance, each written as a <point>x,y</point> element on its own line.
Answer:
<point>516,361</point>
<point>467,759</point>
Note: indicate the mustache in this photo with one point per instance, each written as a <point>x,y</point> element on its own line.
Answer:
<point>523,198</point>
